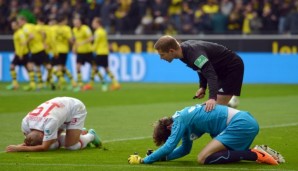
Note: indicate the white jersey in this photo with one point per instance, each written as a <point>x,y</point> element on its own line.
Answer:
<point>57,113</point>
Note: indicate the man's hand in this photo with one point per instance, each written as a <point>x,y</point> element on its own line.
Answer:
<point>210,105</point>
<point>12,148</point>
<point>135,159</point>
<point>200,93</point>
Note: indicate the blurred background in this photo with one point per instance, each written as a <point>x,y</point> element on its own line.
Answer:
<point>263,32</point>
<point>164,16</point>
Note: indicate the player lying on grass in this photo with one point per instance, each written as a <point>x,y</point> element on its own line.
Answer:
<point>233,132</point>
<point>43,125</point>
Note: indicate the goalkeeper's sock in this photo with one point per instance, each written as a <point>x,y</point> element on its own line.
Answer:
<point>229,156</point>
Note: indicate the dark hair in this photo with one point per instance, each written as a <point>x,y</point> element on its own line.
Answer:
<point>161,130</point>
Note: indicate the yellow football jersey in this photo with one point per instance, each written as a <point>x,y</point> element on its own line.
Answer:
<point>36,42</point>
<point>62,36</point>
<point>81,35</point>
<point>47,33</point>
<point>100,44</point>
<point>19,41</point>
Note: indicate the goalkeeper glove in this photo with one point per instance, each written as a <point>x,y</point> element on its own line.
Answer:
<point>135,159</point>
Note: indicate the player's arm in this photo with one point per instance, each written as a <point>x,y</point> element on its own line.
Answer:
<point>23,148</point>
<point>95,42</point>
<point>209,73</point>
<point>182,150</point>
<point>89,38</point>
<point>203,81</point>
<point>176,135</point>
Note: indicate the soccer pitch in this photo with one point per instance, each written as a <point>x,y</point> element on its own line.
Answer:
<point>124,118</point>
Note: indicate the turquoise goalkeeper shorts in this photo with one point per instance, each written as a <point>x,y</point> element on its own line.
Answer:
<point>240,132</point>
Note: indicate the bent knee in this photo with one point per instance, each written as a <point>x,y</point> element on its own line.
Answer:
<point>201,159</point>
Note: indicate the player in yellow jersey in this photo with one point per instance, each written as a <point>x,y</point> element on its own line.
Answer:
<point>101,49</point>
<point>82,46</point>
<point>21,56</point>
<point>62,38</point>
<point>49,45</point>
<point>34,40</point>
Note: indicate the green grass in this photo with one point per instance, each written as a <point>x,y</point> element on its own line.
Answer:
<point>124,118</point>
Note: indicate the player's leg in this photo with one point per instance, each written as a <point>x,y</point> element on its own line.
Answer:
<point>14,84</point>
<point>37,59</point>
<point>75,140</point>
<point>216,153</point>
<point>39,76</point>
<point>63,70</point>
<point>104,62</point>
<point>230,87</point>
<point>96,63</point>
<point>223,99</point>
<point>77,85</point>
<point>115,84</point>
<point>33,69</point>
<point>237,77</point>
<point>46,61</point>
<point>99,59</point>
<point>234,102</point>
<point>211,148</point>
<point>30,70</point>
<point>236,139</point>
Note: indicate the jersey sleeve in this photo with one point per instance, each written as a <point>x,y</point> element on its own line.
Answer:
<point>207,74</point>
<point>88,31</point>
<point>176,135</point>
<point>50,130</point>
<point>95,41</point>
<point>25,127</point>
<point>183,149</point>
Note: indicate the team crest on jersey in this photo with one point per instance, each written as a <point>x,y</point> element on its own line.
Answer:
<point>193,137</point>
<point>48,132</point>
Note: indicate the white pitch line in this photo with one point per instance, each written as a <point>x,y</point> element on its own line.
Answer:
<point>199,167</point>
<point>280,125</point>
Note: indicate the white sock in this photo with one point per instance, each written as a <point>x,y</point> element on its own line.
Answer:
<point>77,146</point>
<point>85,139</point>
<point>54,146</point>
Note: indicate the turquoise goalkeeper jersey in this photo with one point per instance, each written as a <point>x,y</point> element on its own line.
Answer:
<point>190,124</point>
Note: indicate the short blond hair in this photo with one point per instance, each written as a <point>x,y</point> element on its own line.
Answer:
<point>165,43</point>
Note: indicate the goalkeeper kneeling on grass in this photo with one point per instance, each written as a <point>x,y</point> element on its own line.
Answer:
<point>233,132</point>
